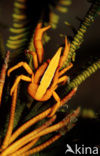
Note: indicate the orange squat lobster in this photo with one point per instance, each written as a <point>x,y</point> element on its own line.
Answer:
<point>44,82</point>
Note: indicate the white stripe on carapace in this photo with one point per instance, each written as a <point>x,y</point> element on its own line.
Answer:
<point>48,75</point>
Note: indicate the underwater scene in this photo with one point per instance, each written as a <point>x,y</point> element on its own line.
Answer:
<point>49,77</point>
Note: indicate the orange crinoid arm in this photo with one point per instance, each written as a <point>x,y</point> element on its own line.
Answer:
<point>3,74</point>
<point>38,40</point>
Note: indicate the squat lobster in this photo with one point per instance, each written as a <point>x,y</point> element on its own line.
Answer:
<point>44,82</point>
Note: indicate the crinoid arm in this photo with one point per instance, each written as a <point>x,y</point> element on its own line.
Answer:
<point>3,74</point>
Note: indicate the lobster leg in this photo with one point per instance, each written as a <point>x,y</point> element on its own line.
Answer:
<point>65,69</point>
<point>38,41</point>
<point>40,72</point>
<point>56,106</point>
<point>65,53</point>
<point>18,79</point>
<point>63,79</point>
<point>21,64</point>
<point>35,58</point>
